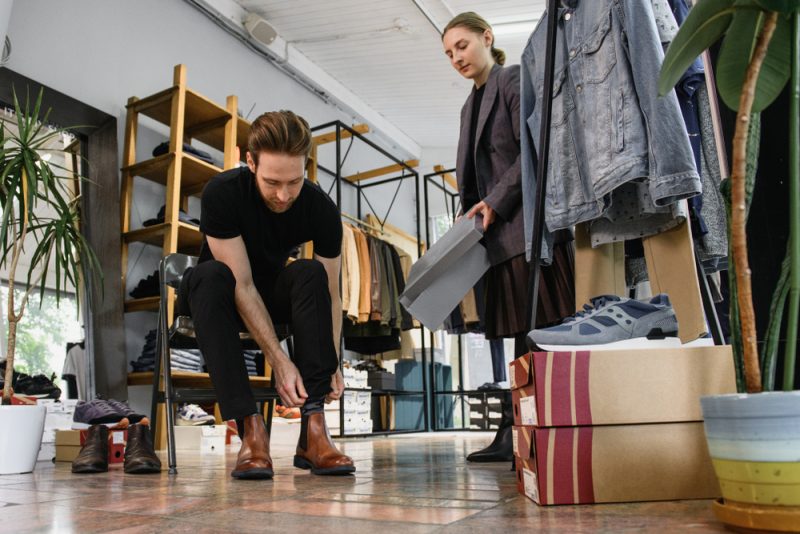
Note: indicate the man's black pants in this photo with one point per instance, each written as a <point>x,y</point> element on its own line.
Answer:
<point>298,297</point>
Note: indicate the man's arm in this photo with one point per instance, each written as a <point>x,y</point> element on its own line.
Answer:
<point>232,252</point>
<point>332,268</point>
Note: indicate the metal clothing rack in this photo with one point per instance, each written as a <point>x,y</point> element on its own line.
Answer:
<point>541,183</point>
<point>452,198</point>
<point>361,186</point>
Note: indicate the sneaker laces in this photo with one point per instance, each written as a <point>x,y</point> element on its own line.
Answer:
<point>596,303</point>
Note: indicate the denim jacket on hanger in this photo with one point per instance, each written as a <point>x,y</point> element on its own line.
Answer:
<point>609,126</point>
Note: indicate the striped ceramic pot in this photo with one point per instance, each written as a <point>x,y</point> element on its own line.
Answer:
<point>754,442</point>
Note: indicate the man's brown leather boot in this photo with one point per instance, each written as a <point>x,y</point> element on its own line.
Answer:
<point>93,457</point>
<point>316,451</point>
<point>253,462</point>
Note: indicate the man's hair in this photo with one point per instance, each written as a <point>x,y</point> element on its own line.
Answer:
<point>281,132</point>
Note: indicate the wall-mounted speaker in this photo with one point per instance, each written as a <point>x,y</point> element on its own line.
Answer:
<point>259,29</point>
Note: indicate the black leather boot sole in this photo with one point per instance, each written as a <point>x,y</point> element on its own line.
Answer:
<point>302,463</point>
<point>500,450</point>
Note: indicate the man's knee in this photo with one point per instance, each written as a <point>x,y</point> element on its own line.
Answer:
<point>310,271</point>
<point>212,278</point>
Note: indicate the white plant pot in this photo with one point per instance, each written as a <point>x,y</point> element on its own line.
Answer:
<point>21,429</point>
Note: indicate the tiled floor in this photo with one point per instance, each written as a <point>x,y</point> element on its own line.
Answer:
<point>409,484</point>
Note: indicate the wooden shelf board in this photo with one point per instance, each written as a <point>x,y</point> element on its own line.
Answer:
<point>189,236</point>
<point>145,304</point>
<point>195,173</point>
<point>204,120</point>
<point>186,379</point>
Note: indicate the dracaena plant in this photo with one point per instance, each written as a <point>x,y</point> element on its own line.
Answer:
<point>758,55</point>
<point>40,214</point>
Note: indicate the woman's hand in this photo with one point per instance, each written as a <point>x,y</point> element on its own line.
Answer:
<point>484,209</point>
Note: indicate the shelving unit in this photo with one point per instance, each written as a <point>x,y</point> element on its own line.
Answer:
<point>189,116</point>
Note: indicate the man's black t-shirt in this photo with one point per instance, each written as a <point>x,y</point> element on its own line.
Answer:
<point>232,207</point>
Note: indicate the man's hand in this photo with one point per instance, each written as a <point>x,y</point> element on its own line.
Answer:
<point>484,209</point>
<point>337,387</point>
<point>289,383</point>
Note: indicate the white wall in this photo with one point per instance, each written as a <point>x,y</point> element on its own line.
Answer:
<point>102,52</point>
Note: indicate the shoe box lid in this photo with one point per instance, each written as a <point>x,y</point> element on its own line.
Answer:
<point>551,389</point>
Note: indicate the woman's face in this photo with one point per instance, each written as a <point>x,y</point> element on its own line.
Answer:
<point>469,52</point>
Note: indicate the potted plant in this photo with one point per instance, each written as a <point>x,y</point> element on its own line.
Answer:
<point>753,437</point>
<point>40,214</point>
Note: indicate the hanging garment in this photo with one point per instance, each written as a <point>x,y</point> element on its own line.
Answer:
<point>609,126</point>
<point>365,276</point>
<point>400,285</point>
<point>351,275</point>
<point>375,258</point>
<point>75,365</point>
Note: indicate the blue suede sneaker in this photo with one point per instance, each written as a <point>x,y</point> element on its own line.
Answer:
<point>611,322</point>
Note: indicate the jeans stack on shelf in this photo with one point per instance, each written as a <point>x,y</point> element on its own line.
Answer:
<point>250,359</point>
<point>188,360</point>
<point>147,359</point>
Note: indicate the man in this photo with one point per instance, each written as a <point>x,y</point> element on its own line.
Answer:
<point>252,218</point>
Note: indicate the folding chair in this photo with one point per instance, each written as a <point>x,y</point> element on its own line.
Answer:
<point>181,334</point>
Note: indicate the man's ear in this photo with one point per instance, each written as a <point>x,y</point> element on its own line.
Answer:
<point>250,163</point>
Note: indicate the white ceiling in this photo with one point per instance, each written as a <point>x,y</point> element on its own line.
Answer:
<point>389,54</point>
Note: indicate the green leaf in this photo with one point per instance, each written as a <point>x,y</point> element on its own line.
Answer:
<point>781,6</point>
<point>737,50</point>
<point>706,23</point>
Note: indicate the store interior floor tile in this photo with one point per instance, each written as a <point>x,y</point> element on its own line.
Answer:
<point>411,483</point>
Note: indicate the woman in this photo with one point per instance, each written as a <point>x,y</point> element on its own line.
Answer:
<point>489,184</point>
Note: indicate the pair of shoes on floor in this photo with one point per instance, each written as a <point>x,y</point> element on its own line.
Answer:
<point>315,450</point>
<point>194,415</point>
<point>140,458</point>
<point>611,322</point>
<point>108,412</point>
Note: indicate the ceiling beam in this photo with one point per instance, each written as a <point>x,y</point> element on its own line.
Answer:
<point>357,177</point>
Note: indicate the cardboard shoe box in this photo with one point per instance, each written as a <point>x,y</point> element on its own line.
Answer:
<point>69,443</point>
<point>618,386</point>
<point>616,426</point>
<point>615,463</point>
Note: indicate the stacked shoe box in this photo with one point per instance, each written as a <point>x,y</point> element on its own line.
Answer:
<point>485,412</point>
<point>58,417</point>
<point>357,413</point>
<point>69,443</point>
<point>615,425</point>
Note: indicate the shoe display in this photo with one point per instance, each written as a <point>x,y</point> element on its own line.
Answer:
<point>194,415</point>
<point>502,447</point>
<point>147,287</point>
<point>123,409</point>
<point>611,322</point>
<point>93,457</point>
<point>97,412</point>
<point>254,462</point>
<point>38,386</point>
<point>317,452</point>
<point>140,457</point>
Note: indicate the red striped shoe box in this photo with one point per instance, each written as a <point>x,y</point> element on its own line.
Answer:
<point>615,426</point>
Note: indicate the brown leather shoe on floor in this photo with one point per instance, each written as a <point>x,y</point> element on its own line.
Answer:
<point>140,458</point>
<point>93,457</point>
<point>318,453</point>
<point>253,462</point>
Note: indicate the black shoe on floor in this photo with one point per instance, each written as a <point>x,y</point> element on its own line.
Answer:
<point>502,447</point>
<point>140,458</point>
<point>93,457</point>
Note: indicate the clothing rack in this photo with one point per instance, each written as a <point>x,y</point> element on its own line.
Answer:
<point>541,174</point>
<point>342,131</point>
<point>363,223</point>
